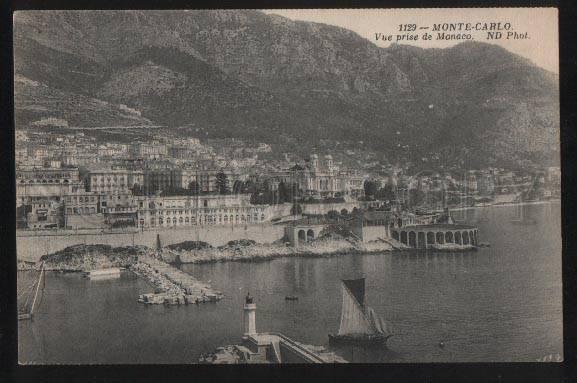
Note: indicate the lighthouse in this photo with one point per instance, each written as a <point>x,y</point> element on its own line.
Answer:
<point>249,316</point>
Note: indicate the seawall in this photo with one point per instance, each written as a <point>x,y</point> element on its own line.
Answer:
<point>32,245</point>
<point>284,210</point>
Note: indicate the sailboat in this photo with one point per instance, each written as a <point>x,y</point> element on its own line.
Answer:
<point>32,291</point>
<point>359,323</point>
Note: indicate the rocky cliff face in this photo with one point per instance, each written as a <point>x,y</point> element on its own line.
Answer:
<point>251,75</point>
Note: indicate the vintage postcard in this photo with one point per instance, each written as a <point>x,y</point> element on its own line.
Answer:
<point>288,186</point>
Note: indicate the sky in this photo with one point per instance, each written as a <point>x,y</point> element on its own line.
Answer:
<point>541,25</point>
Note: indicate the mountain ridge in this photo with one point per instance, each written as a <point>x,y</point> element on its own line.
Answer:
<point>274,79</point>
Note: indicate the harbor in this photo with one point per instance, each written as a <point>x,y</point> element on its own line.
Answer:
<point>427,297</point>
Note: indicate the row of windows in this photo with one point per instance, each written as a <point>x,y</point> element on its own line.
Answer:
<point>207,219</point>
<point>81,199</point>
<point>120,209</point>
<point>212,211</point>
<point>108,187</point>
<point>45,181</point>
<point>81,210</point>
<point>51,176</point>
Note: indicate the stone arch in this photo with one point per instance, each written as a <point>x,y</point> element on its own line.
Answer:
<point>458,238</point>
<point>302,236</point>
<point>310,235</point>
<point>396,235</point>
<point>421,240</point>
<point>431,238</point>
<point>440,237</point>
<point>412,239</point>
<point>465,238</point>
<point>404,238</point>
<point>449,237</point>
<point>475,235</point>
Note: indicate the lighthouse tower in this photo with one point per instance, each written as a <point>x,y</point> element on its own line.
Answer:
<point>249,316</point>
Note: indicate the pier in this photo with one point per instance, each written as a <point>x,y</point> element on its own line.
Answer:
<point>172,286</point>
<point>268,347</point>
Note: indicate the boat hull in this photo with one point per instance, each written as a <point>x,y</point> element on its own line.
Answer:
<point>361,340</point>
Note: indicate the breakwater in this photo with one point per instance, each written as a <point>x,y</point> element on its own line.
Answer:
<point>172,286</point>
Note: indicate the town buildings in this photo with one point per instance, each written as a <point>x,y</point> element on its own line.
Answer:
<point>77,181</point>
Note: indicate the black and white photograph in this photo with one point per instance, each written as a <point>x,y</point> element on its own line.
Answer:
<point>288,186</point>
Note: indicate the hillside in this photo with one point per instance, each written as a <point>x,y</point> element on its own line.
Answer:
<point>250,75</point>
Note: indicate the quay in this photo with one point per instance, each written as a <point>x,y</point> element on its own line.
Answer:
<point>268,347</point>
<point>172,286</point>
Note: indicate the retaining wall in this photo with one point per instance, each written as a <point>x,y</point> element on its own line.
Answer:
<point>32,245</point>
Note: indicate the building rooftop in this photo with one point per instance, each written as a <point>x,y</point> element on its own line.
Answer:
<point>439,226</point>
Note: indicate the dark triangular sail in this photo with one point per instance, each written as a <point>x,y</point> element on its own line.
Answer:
<point>357,289</point>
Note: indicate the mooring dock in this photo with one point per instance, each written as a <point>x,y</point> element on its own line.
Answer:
<point>172,286</point>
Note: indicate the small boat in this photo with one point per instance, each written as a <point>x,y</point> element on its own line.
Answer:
<point>360,325</point>
<point>484,244</point>
<point>110,272</point>
<point>291,298</point>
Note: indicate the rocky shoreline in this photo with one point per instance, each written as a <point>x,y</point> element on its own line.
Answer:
<point>235,252</point>
<point>83,258</point>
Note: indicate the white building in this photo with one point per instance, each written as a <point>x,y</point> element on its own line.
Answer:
<point>175,211</point>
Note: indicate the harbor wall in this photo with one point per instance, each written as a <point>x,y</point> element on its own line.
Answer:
<point>284,210</point>
<point>32,245</point>
<point>324,208</point>
<point>371,233</point>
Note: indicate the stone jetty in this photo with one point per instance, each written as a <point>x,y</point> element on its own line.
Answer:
<point>172,286</point>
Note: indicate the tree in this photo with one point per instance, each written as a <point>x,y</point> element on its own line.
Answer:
<point>237,187</point>
<point>344,212</point>
<point>222,183</point>
<point>416,197</point>
<point>248,187</point>
<point>284,194</point>
<point>370,187</point>
<point>333,214</point>
<point>386,193</point>
<point>296,209</point>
